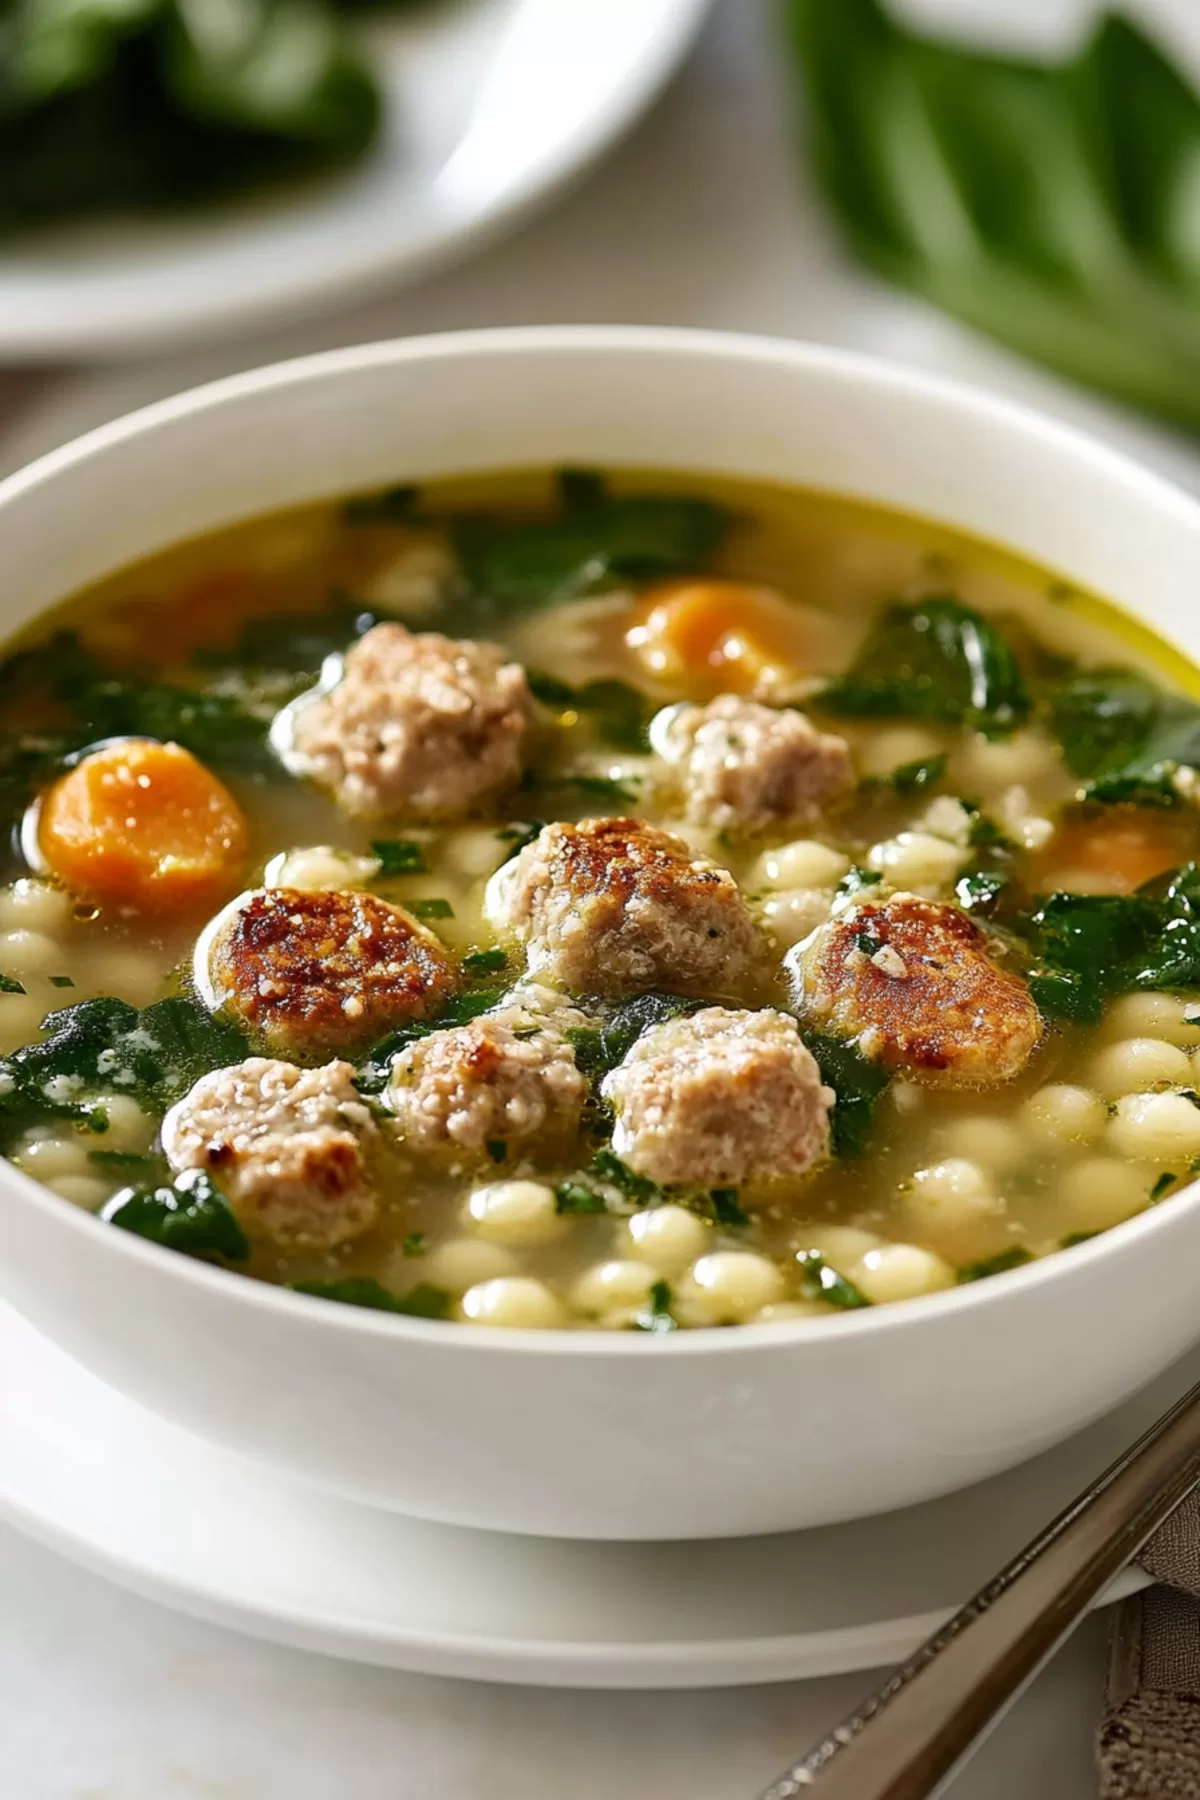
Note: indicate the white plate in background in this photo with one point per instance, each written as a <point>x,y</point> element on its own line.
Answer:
<point>129,1496</point>
<point>492,106</point>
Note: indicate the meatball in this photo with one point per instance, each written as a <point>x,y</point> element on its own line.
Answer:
<point>316,971</point>
<point>291,1149</point>
<point>744,766</point>
<point>614,906</point>
<point>418,726</point>
<point>508,1077</point>
<point>720,1098</point>
<point>911,982</point>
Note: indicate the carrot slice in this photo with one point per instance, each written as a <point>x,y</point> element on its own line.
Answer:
<point>144,826</point>
<point>1117,850</point>
<point>722,634</point>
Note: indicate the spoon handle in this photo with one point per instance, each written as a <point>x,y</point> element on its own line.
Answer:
<point>905,1740</point>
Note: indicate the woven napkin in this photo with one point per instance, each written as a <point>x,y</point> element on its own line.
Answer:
<point>1148,1746</point>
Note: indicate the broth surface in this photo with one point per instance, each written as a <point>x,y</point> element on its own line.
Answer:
<point>207,645</point>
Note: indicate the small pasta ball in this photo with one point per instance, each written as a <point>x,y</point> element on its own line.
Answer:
<point>516,1212</point>
<point>49,1158</point>
<point>30,905</point>
<point>1061,1113</point>
<point>475,850</point>
<point>882,751</point>
<point>20,1020</point>
<point>87,1191</point>
<point>129,1128</point>
<point>1154,1016</point>
<point>1163,1128</point>
<point>667,1239</point>
<point>1100,1191</point>
<point>839,1245</point>
<point>146,826</point>
<point>29,953</point>
<point>990,764</point>
<point>794,913</point>
<point>917,861</point>
<point>992,1143</point>
<point>900,1272</point>
<point>804,864</point>
<point>319,866</point>
<point>513,1301</point>
<point>464,1263</point>
<point>951,1193</point>
<point>612,1288</point>
<point>1136,1064</point>
<point>727,1287</point>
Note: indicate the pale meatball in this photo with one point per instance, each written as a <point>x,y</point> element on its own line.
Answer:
<point>508,1077</point>
<point>615,906</point>
<point>320,971</point>
<point>743,766</point>
<point>718,1099</point>
<point>291,1149</point>
<point>419,726</point>
<point>911,982</point>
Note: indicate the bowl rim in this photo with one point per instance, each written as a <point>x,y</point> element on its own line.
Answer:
<point>983,408</point>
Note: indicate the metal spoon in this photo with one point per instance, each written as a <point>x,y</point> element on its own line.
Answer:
<point>907,1739</point>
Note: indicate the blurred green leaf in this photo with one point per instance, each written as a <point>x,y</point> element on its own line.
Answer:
<point>1053,206</point>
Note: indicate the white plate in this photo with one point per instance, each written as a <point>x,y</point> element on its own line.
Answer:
<point>493,104</point>
<point>124,1493</point>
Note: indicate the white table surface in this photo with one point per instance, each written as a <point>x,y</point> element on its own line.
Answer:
<point>701,218</point>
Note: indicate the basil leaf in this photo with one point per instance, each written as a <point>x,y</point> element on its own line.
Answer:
<point>191,1215</point>
<point>1046,204</point>
<point>937,659</point>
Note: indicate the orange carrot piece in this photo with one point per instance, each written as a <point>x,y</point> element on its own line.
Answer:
<point>144,826</point>
<point>1117,850</point>
<point>721,634</point>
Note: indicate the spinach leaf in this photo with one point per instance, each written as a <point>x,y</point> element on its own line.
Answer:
<point>819,1282</point>
<point>1044,203</point>
<point>106,1046</point>
<point>999,1264</point>
<point>598,538</point>
<point>1126,737</point>
<point>980,890</point>
<point>609,1167</point>
<point>371,1076</point>
<point>599,1048</point>
<point>420,1302</point>
<point>291,644</point>
<point>910,778</point>
<point>485,962</point>
<point>656,1315</point>
<point>857,1084</point>
<point>191,1215</point>
<point>9,985</point>
<point>575,1196</point>
<point>398,856</point>
<point>621,713</point>
<point>1091,947</point>
<point>434,908</point>
<point>937,659</point>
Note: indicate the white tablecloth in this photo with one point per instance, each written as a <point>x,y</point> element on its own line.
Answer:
<point>701,218</point>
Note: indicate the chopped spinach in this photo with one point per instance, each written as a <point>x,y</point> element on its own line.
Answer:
<point>372,1074</point>
<point>599,1048</point>
<point>1090,947</point>
<point>598,538</point>
<point>394,506</point>
<point>420,1302</point>
<point>191,1215</point>
<point>519,834</point>
<point>937,659</point>
<point>620,712</point>
<point>1077,1237</point>
<point>999,1264</point>
<point>607,1166</point>
<point>588,787</point>
<point>819,1282</point>
<point>143,1162</point>
<point>9,985</point>
<point>857,1085</point>
<point>435,908</point>
<point>727,1209</point>
<point>415,1243</point>
<point>575,1196</point>
<point>1162,1186</point>
<point>910,778</point>
<point>106,1046</point>
<point>497,1149</point>
<point>60,981</point>
<point>1125,737</point>
<point>485,962</point>
<point>398,856</point>
<point>858,878</point>
<point>656,1314</point>
<point>980,890</point>
<point>293,645</point>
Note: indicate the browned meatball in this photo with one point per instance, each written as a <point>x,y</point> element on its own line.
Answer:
<point>508,1077</point>
<point>320,971</point>
<point>744,767</point>
<point>911,982</point>
<point>614,906</point>
<point>722,1097</point>
<point>291,1149</point>
<point>419,726</point>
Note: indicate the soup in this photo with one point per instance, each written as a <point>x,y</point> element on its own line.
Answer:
<point>600,902</point>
